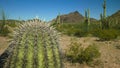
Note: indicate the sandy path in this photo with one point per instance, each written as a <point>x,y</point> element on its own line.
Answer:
<point>3,44</point>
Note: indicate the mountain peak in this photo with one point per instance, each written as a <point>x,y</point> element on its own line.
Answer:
<point>76,12</point>
<point>72,17</point>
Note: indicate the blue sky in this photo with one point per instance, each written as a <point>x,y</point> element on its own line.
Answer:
<point>49,9</point>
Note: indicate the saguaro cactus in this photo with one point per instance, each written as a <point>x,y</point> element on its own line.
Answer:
<point>104,9</point>
<point>105,22</point>
<point>58,19</point>
<point>34,45</point>
<point>101,19</point>
<point>3,21</point>
<point>87,18</point>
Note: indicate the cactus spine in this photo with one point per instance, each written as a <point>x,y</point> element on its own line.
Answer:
<point>35,45</point>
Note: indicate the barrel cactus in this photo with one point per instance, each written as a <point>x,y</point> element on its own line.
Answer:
<point>35,44</point>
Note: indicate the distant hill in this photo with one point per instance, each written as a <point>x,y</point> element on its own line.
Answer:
<point>73,17</point>
<point>11,22</point>
<point>115,17</point>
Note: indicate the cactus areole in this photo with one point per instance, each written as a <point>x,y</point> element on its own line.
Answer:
<point>34,45</point>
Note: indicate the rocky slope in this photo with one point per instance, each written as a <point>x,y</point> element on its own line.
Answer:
<point>72,17</point>
<point>115,17</point>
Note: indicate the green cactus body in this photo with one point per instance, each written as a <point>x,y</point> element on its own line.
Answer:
<point>104,9</point>
<point>87,19</point>
<point>104,21</point>
<point>35,46</point>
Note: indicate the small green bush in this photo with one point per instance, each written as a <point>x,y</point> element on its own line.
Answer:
<point>89,54</point>
<point>5,31</point>
<point>72,29</point>
<point>80,33</point>
<point>80,30</point>
<point>73,52</point>
<point>76,53</point>
<point>106,34</point>
<point>117,46</point>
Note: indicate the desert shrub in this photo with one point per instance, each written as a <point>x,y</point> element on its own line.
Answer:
<point>80,33</point>
<point>76,53</point>
<point>96,63</point>
<point>106,34</point>
<point>12,24</point>
<point>80,30</point>
<point>72,29</point>
<point>117,46</point>
<point>89,54</point>
<point>73,52</point>
<point>75,32</point>
<point>5,31</point>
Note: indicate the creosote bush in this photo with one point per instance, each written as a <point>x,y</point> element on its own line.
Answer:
<point>5,31</point>
<point>76,53</point>
<point>80,30</point>
<point>73,51</point>
<point>89,54</point>
<point>106,34</point>
<point>34,45</point>
<point>72,29</point>
<point>117,46</point>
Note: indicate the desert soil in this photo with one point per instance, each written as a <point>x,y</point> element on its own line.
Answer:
<point>110,56</point>
<point>3,44</point>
